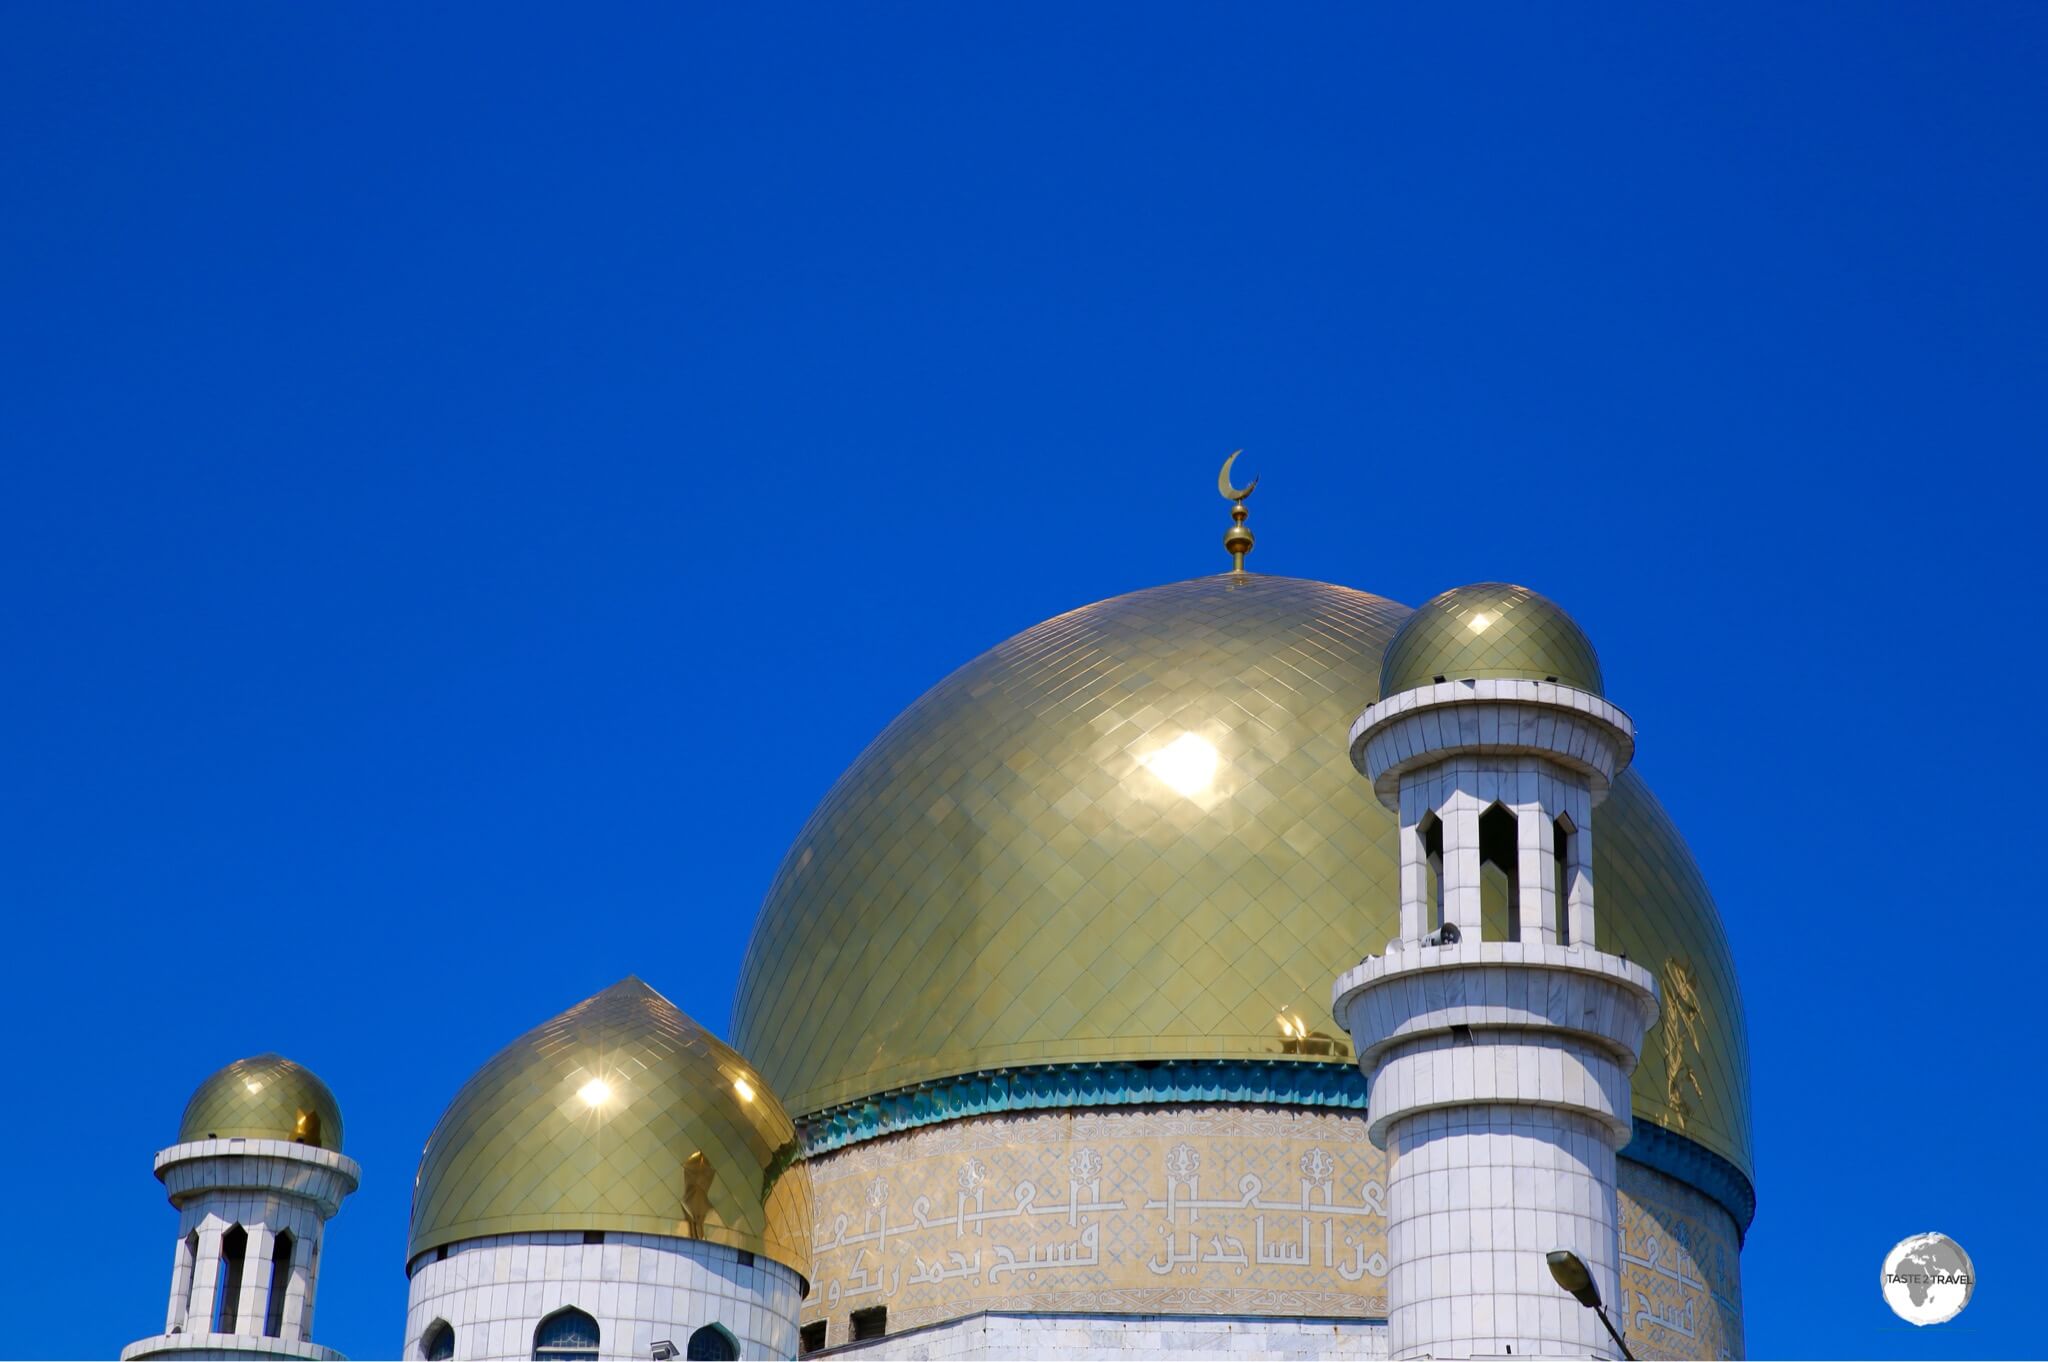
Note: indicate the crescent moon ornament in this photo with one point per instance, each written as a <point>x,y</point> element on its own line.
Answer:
<point>1223,481</point>
<point>1237,541</point>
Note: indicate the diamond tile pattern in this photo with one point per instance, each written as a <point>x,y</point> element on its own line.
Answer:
<point>1001,878</point>
<point>264,1097</point>
<point>1490,629</point>
<point>530,1144</point>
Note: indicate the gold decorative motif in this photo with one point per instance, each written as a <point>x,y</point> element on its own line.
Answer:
<point>1001,879</point>
<point>1237,540</point>
<point>1681,1024</point>
<point>264,1097</point>
<point>620,1114</point>
<point>697,1175</point>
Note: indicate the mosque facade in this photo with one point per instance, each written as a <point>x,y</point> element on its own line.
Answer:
<point>1246,964</point>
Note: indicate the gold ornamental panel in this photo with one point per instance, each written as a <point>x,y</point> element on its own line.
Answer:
<point>1213,1210</point>
<point>265,1097</point>
<point>1133,832</point>
<point>620,1114</point>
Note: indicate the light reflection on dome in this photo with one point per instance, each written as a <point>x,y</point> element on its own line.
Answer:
<point>1187,764</point>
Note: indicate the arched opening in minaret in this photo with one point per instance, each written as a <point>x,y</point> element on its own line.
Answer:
<point>1500,888</point>
<point>437,1344</point>
<point>280,1284</point>
<point>566,1336</point>
<point>1431,830</point>
<point>227,1296</point>
<point>1561,836</point>
<point>188,1279</point>
<point>306,1128</point>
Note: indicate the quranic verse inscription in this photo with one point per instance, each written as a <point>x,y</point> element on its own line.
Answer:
<point>1210,1210</point>
<point>1207,1210</point>
<point>1681,1280</point>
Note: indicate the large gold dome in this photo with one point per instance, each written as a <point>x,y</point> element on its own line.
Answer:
<point>1132,833</point>
<point>620,1114</point>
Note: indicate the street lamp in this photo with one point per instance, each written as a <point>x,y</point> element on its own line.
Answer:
<point>1571,1274</point>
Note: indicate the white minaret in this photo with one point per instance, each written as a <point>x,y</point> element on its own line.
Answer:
<point>1497,1038</point>
<point>256,1174</point>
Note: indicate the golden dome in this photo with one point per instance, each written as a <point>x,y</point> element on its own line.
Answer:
<point>264,1097</point>
<point>1133,833</point>
<point>1490,629</point>
<point>620,1114</point>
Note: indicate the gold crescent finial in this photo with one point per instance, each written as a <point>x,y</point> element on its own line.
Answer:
<point>1223,481</point>
<point>1237,540</point>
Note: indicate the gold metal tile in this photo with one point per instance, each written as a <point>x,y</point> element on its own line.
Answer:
<point>924,924</point>
<point>620,1114</point>
<point>264,1097</point>
<point>1490,629</point>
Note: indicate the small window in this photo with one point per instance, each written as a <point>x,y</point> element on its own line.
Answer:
<point>593,1236</point>
<point>566,1336</point>
<point>1561,832</point>
<point>1500,883</point>
<point>280,1285</point>
<point>711,1344</point>
<point>191,1278</point>
<point>746,1258</point>
<point>872,1322</point>
<point>437,1344</point>
<point>810,1338</point>
<point>227,1300</point>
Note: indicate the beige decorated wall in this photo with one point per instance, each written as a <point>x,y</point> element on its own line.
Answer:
<point>1196,1210</point>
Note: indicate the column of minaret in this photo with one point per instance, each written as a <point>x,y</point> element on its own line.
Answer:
<point>269,1200</point>
<point>1499,1068</point>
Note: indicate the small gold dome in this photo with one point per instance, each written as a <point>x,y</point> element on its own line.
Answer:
<point>620,1114</point>
<point>265,1097</point>
<point>1490,629</point>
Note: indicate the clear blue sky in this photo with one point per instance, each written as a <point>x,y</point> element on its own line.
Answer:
<point>475,475</point>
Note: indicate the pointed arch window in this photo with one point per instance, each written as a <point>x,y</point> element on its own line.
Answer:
<point>1500,882</point>
<point>280,1283</point>
<point>1561,833</point>
<point>712,1344</point>
<point>189,1276</point>
<point>437,1344</point>
<point>1432,831</point>
<point>227,1296</point>
<point>566,1336</point>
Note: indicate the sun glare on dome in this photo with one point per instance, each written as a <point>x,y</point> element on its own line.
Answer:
<point>744,1089</point>
<point>595,1093</point>
<point>1187,764</point>
<point>1477,624</point>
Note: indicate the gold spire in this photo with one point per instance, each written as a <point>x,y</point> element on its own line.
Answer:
<point>1237,540</point>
